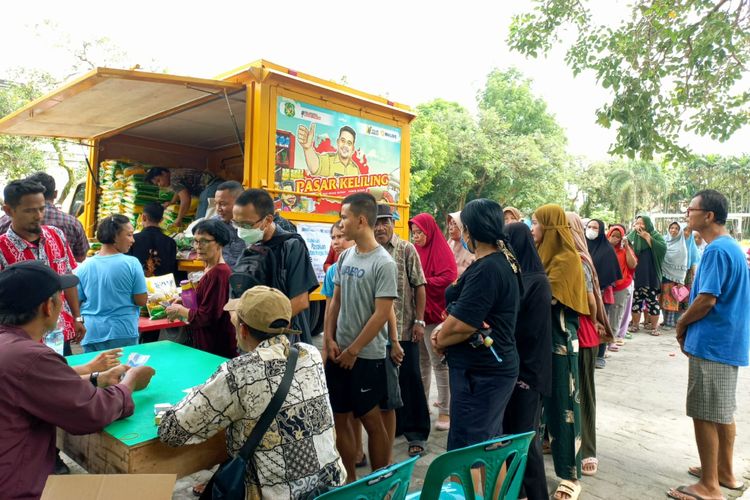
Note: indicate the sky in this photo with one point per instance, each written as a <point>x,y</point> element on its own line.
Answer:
<point>408,51</point>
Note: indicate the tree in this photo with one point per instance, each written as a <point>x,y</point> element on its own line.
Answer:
<point>673,66</point>
<point>19,156</point>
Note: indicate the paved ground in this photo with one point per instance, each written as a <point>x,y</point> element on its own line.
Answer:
<point>645,441</point>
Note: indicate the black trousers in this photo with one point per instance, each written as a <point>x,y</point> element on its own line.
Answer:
<point>522,415</point>
<point>413,418</point>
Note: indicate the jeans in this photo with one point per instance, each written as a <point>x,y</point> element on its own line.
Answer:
<point>109,344</point>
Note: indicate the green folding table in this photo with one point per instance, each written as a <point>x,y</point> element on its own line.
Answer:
<point>131,445</point>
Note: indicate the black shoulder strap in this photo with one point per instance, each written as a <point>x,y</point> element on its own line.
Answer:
<point>273,407</point>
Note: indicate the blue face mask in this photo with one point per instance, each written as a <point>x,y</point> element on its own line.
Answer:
<point>463,243</point>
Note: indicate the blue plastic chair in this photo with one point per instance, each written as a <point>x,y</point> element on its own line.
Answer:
<point>492,455</point>
<point>390,482</point>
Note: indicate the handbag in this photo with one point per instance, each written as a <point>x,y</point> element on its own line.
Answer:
<point>228,482</point>
<point>680,292</point>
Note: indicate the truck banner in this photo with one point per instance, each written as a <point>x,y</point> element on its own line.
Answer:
<point>324,151</point>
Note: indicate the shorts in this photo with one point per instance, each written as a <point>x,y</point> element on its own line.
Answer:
<point>358,390</point>
<point>712,391</point>
<point>648,295</point>
<point>392,399</point>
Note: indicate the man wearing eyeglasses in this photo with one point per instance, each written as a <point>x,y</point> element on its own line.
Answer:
<point>714,333</point>
<point>286,266</point>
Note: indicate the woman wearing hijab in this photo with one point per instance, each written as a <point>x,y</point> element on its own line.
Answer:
<point>439,268</point>
<point>463,257</point>
<point>593,330</point>
<point>694,258</point>
<point>482,304</point>
<point>512,214</point>
<point>557,251</point>
<point>674,270</point>
<point>534,344</point>
<point>650,248</point>
<point>619,313</point>
<point>608,271</point>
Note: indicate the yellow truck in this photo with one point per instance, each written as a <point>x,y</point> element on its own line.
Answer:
<point>307,141</point>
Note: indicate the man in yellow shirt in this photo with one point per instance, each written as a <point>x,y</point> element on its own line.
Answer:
<point>336,164</point>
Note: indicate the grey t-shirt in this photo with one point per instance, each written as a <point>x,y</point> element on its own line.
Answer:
<point>362,278</point>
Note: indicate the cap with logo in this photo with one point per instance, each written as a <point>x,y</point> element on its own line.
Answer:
<point>25,285</point>
<point>262,306</point>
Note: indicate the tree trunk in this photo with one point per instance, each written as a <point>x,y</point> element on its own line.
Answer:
<point>69,170</point>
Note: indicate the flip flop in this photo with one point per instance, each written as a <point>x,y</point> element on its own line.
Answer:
<point>655,333</point>
<point>633,329</point>
<point>680,493</point>
<point>628,336</point>
<point>198,489</point>
<point>589,461</point>
<point>363,462</point>
<point>416,450</point>
<point>696,472</point>
<point>620,342</point>
<point>569,488</point>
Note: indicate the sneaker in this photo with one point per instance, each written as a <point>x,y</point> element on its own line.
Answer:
<point>601,362</point>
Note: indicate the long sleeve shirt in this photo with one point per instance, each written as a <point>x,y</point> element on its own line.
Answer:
<point>38,392</point>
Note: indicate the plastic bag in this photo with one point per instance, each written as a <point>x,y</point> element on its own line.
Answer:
<point>162,290</point>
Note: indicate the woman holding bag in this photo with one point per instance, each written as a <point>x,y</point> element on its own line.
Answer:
<point>484,302</point>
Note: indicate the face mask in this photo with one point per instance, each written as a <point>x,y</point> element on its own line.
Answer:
<point>591,234</point>
<point>250,236</point>
<point>463,244</point>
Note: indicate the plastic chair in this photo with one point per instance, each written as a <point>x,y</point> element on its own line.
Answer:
<point>390,482</point>
<point>492,455</point>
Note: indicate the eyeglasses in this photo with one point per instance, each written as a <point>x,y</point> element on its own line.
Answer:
<point>691,210</point>
<point>245,225</point>
<point>202,242</point>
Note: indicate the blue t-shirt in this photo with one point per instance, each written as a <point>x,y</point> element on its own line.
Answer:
<point>327,290</point>
<point>106,291</point>
<point>723,335</point>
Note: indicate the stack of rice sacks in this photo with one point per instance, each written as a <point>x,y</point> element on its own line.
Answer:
<point>124,190</point>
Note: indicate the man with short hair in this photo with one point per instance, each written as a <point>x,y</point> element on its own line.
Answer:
<point>28,239</point>
<point>53,216</point>
<point>226,194</point>
<point>714,333</point>
<point>340,163</point>
<point>156,251</point>
<point>413,418</point>
<point>356,333</point>
<point>186,183</point>
<point>40,391</point>
<point>253,217</point>
<point>297,455</point>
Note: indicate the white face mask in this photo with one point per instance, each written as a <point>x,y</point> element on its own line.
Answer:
<point>250,236</point>
<point>591,234</point>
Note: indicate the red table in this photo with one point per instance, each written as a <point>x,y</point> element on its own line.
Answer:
<point>149,325</point>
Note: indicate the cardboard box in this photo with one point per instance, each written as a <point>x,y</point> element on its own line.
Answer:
<point>110,487</point>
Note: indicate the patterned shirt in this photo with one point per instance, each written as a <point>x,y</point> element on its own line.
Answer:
<point>52,249</point>
<point>69,225</point>
<point>298,452</point>
<point>410,276</point>
<point>194,181</point>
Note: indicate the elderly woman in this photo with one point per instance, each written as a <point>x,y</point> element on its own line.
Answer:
<point>463,257</point>
<point>440,271</point>
<point>649,248</point>
<point>210,324</point>
<point>112,288</point>
<point>557,250</point>
<point>674,270</point>
<point>484,302</point>
<point>512,214</point>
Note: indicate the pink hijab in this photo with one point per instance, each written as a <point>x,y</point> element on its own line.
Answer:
<point>438,264</point>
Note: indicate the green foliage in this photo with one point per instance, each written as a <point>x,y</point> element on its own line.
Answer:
<point>672,66</point>
<point>513,151</point>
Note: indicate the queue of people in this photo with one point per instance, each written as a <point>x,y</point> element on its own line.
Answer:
<point>512,320</point>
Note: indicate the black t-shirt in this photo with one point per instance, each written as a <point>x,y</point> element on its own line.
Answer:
<point>486,292</point>
<point>156,251</point>
<point>534,333</point>
<point>645,271</point>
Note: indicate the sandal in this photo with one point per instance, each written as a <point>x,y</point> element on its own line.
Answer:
<point>633,329</point>
<point>591,461</point>
<point>681,493</point>
<point>697,472</point>
<point>613,347</point>
<point>619,342</point>
<point>198,489</point>
<point>655,333</point>
<point>416,450</point>
<point>628,336</point>
<point>569,488</point>
<point>362,462</point>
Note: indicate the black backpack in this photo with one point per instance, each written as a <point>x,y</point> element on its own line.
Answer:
<point>262,264</point>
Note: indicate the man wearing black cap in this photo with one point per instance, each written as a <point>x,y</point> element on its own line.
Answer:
<point>39,390</point>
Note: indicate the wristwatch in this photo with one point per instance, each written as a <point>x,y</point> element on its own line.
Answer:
<point>420,323</point>
<point>79,319</point>
<point>94,379</point>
